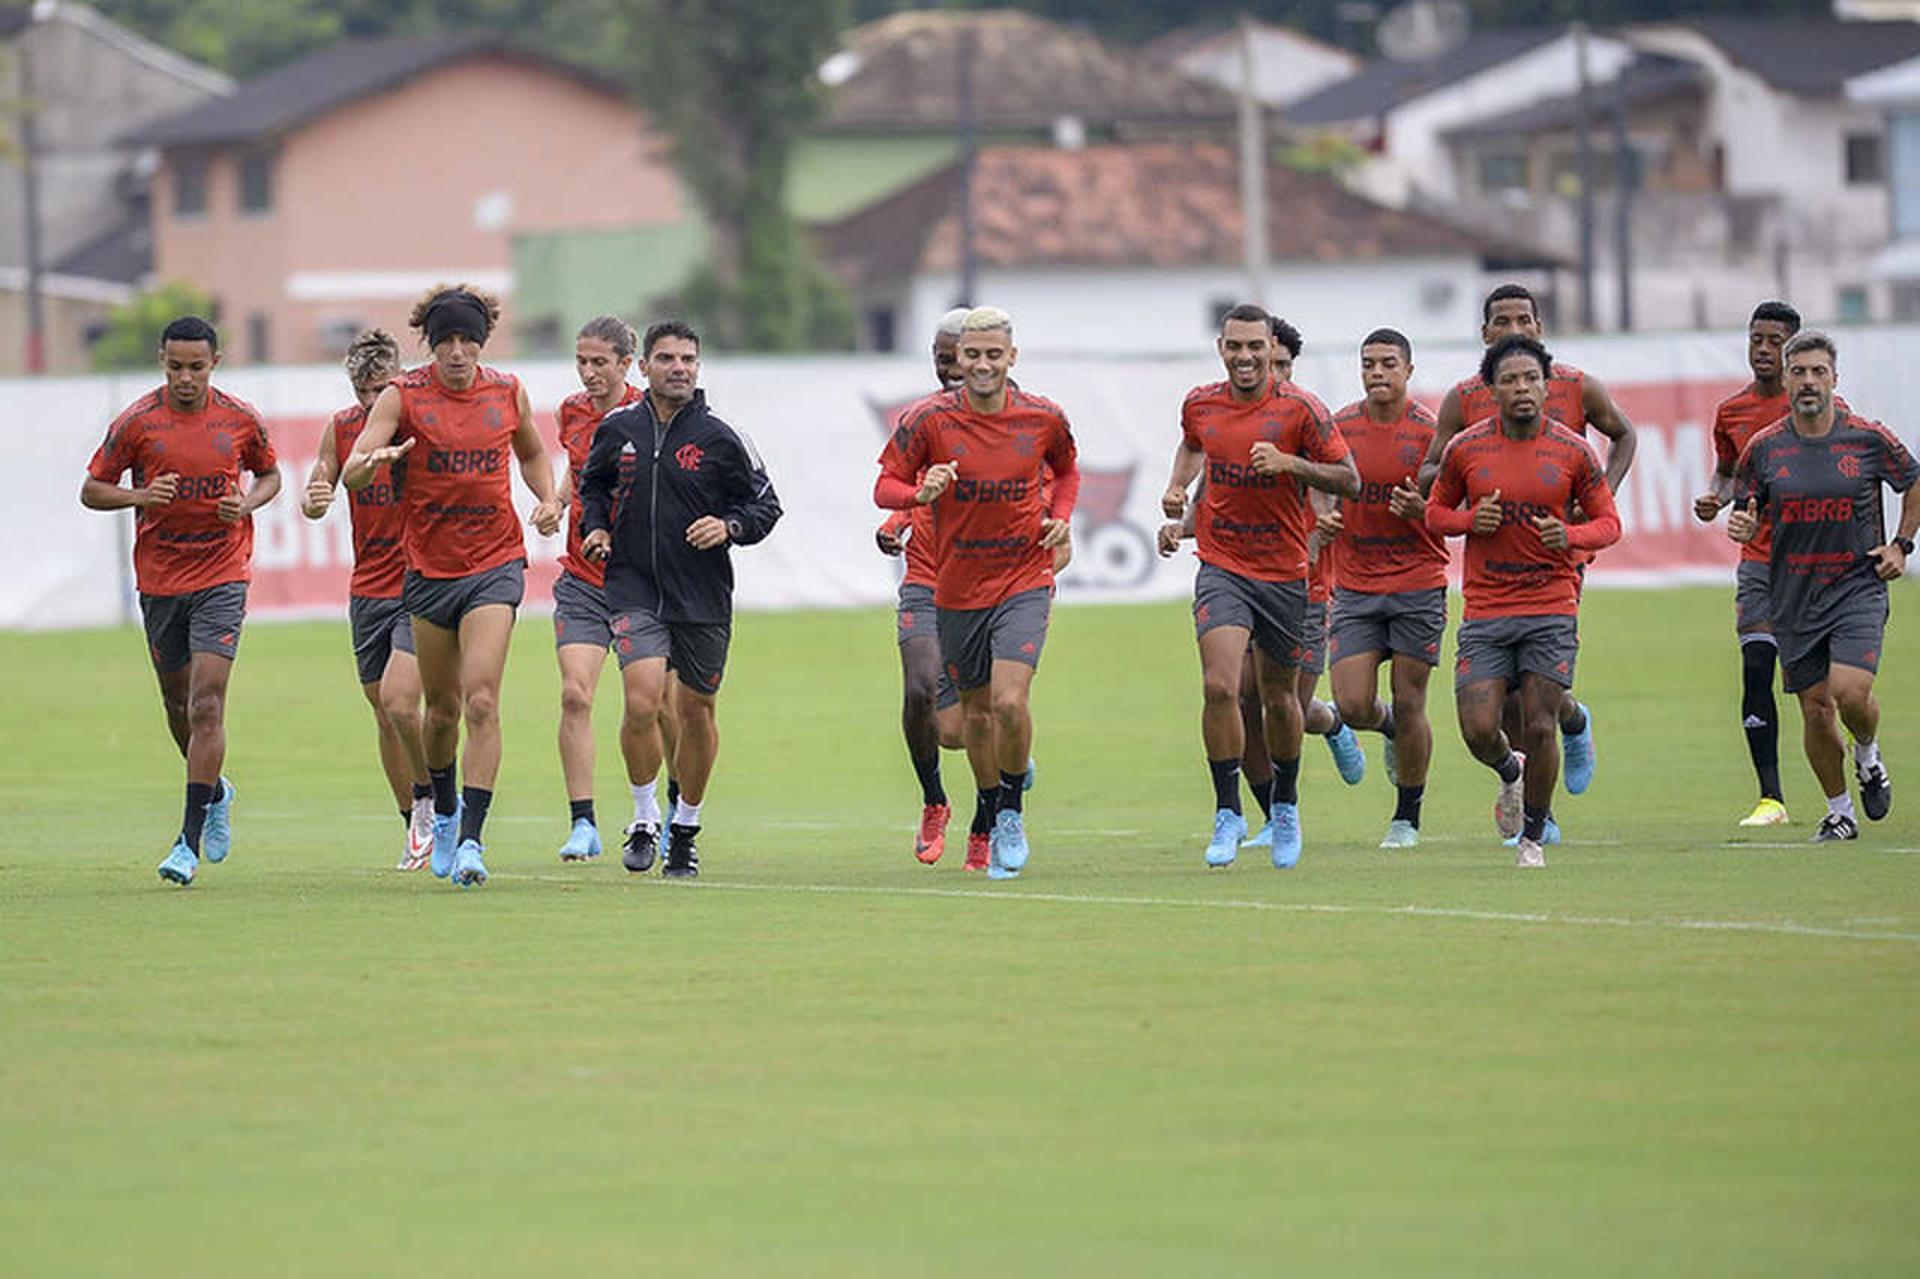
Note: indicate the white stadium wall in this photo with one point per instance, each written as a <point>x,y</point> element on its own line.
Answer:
<point>819,424</point>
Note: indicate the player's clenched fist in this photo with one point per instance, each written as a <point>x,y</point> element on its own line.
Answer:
<point>546,518</point>
<point>597,546</point>
<point>1744,524</point>
<point>1406,501</point>
<point>1267,458</point>
<point>1487,515</point>
<point>232,507</point>
<point>1173,503</point>
<point>1553,533</point>
<point>936,481</point>
<point>162,490</point>
<point>319,498</point>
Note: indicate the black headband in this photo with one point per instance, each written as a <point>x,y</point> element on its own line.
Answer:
<point>457,312</point>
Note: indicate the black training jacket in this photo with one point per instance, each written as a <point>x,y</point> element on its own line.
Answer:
<point>699,466</point>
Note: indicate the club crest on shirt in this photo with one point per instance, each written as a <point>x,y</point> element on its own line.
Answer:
<point>1411,453</point>
<point>222,442</point>
<point>688,456</point>
<point>493,417</point>
<point>1549,473</point>
<point>1849,465</point>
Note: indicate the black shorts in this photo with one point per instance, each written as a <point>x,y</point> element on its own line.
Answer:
<point>1752,598</point>
<point>381,628</point>
<point>443,601</point>
<point>1505,648</point>
<point>1273,613</point>
<point>1853,639</point>
<point>1399,623</point>
<point>695,651</point>
<point>580,613</point>
<point>973,639</point>
<point>916,618</point>
<point>203,621</point>
<point>1313,638</point>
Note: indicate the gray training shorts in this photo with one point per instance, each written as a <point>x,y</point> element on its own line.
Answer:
<point>381,628</point>
<point>1853,639</point>
<point>204,621</point>
<point>443,601</point>
<point>916,618</point>
<point>1274,613</point>
<point>580,613</point>
<point>695,651</point>
<point>1505,648</point>
<point>1752,598</point>
<point>1409,623</point>
<point>973,639</point>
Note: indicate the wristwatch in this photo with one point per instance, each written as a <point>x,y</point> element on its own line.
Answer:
<point>1905,544</point>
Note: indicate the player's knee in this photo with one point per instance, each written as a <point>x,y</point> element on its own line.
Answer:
<point>1219,690</point>
<point>1356,705</point>
<point>576,698</point>
<point>920,695</point>
<point>483,707</point>
<point>1009,708</point>
<point>206,709</point>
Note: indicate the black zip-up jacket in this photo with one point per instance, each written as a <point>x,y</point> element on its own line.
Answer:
<point>697,466</point>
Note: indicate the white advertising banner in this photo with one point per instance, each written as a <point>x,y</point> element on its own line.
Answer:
<point>820,423</point>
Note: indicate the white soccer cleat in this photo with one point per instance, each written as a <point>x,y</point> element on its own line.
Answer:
<point>1507,808</point>
<point>419,836</point>
<point>1529,855</point>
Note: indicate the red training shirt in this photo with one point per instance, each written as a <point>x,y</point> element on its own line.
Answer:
<point>379,519</point>
<point>184,546</point>
<point>1256,525</point>
<point>457,484</point>
<point>1511,572</point>
<point>578,419</point>
<point>1739,418</point>
<point>1384,554</point>
<point>986,526</point>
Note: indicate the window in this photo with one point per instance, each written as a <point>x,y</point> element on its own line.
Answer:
<point>256,182</point>
<point>1503,171</point>
<point>189,186</point>
<point>338,333</point>
<point>543,335</point>
<point>259,348</point>
<point>1852,303</point>
<point>1217,312</point>
<point>1906,300</point>
<point>880,329</point>
<point>1866,160</point>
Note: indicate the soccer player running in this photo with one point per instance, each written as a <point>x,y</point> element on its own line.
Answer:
<point>1740,417</point>
<point>1263,445</point>
<point>983,456</point>
<point>1814,481</point>
<point>466,557</point>
<point>1391,598</point>
<point>1577,401</point>
<point>382,632</point>
<point>667,488</point>
<point>188,444</point>
<point>582,622</point>
<point>1509,484</point>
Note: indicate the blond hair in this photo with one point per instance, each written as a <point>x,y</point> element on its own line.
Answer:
<point>372,357</point>
<point>985,319</point>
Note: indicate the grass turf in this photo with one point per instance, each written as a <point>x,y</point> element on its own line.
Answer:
<point>1665,1055</point>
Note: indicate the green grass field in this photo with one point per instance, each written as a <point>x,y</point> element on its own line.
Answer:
<point>1668,1054</point>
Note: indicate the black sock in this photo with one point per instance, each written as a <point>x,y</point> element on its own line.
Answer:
<point>1262,795</point>
<point>444,798</point>
<point>1579,723</point>
<point>579,810</point>
<point>1536,823</point>
<point>1012,787</point>
<point>422,790</point>
<point>406,817</point>
<point>1338,723</point>
<point>1226,783</point>
<point>984,804</point>
<point>1286,781</point>
<point>673,795</point>
<point>1387,726</point>
<point>474,803</point>
<point>1408,809</point>
<point>199,795</point>
<point>1761,716</point>
<point>1509,768</point>
<point>928,771</point>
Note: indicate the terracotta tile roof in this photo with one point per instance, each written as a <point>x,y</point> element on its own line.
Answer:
<point>903,73</point>
<point>1147,204</point>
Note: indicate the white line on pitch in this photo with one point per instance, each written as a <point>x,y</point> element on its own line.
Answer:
<point>1785,928</point>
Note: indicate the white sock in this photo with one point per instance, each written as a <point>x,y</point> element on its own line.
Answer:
<point>1840,805</point>
<point>685,814</point>
<point>646,806</point>
<point>1866,755</point>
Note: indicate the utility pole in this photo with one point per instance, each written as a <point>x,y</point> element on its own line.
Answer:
<point>969,153</point>
<point>1583,144</point>
<point>36,352</point>
<point>1253,173</point>
<point>1626,176</point>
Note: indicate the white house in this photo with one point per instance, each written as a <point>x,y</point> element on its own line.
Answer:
<point>1137,248</point>
<point>1288,65</point>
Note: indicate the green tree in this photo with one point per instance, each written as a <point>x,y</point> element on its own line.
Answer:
<point>735,83</point>
<point>133,328</point>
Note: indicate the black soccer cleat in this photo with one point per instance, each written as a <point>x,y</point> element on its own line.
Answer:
<point>683,859</point>
<point>641,846</point>
<point>1876,791</point>
<point>1834,827</point>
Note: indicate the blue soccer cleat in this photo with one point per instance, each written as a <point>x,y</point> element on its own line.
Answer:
<point>446,834</point>
<point>468,870</point>
<point>1033,770</point>
<point>1009,842</point>
<point>1347,755</point>
<point>1577,750</point>
<point>1549,834</point>
<point>216,837</point>
<point>1229,828</point>
<point>1262,838</point>
<point>1286,835</point>
<point>180,863</point>
<point>583,842</point>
